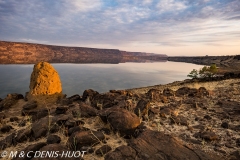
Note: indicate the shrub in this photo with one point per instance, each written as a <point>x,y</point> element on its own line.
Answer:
<point>205,72</point>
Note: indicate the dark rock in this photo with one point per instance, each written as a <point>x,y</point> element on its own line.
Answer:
<point>225,125</point>
<point>103,150</point>
<point>10,100</point>
<point>61,119</point>
<point>156,95</point>
<point>229,145</point>
<point>235,128</point>
<point>200,127</point>
<point>157,145</point>
<point>122,152</point>
<point>7,141</point>
<point>33,148</point>
<point>87,149</point>
<point>30,105</point>
<point>51,139</point>
<point>121,120</point>
<point>22,123</point>
<point>105,131</point>
<point>6,128</point>
<point>165,111</point>
<point>234,155</point>
<point>35,113</point>
<point>38,114</point>
<point>13,119</point>
<point>191,92</point>
<point>23,135</point>
<point>209,136</point>
<point>2,116</point>
<point>168,92</point>
<point>84,138</point>
<point>207,117</point>
<point>106,100</point>
<point>194,141</point>
<point>203,91</point>
<point>238,142</point>
<point>89,94</point>
<point>40,128</point>
<point>76,129</point>
<point>142,108</point>
<point>84,111</point>
<point>61,110</point>
<point>179,120</point>
<point>230,107</point>
<point>182,91</point>
<point>74,98</point>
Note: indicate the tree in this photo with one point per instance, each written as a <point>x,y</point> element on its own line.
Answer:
<point>193,74</point>
<point>205,72</point>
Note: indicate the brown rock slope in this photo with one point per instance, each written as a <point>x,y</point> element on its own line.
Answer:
<point>29,53</point>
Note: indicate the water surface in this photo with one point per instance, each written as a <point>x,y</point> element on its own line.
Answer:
<point>76,78</point>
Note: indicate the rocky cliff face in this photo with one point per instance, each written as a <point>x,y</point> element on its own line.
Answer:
<point>27,53</point>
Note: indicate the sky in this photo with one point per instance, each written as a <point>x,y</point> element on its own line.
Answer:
<point>172,27</point>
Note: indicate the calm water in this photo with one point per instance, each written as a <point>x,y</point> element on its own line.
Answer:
<point>76,78</point>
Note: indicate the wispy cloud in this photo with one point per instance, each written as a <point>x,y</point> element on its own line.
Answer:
<point>122,24</point>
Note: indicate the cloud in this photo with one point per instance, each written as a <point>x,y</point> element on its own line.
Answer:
<point>171,5</point>
<point>83,5</point>
<point>121,23</point>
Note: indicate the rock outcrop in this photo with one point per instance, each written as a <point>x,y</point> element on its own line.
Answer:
<point>44,80</point>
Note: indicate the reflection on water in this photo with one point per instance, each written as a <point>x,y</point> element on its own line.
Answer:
<point>76,78</point>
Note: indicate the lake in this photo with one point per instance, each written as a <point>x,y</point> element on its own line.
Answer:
<point>76,78</point>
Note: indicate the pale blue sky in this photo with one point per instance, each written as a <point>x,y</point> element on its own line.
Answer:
<point>172,27</point>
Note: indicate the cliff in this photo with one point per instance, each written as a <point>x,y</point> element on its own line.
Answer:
<point>28,53</point>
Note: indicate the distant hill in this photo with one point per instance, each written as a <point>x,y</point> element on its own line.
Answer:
<point>29,53</point>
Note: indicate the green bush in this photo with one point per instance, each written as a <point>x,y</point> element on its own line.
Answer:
<point>205,72</point>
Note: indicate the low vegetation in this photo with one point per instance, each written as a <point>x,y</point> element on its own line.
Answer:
<point>205,72</point>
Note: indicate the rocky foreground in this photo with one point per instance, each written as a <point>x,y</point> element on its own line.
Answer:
<point>182,120</point>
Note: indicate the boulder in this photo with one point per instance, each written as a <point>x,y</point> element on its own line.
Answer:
<point>84,111</point>
<point>209,136</point>
<point>23,135</point>
<point>51,139</point>
<point>61,109</point>
<point>122,152</point>
<point>5,128</point>
<point>89,94</point>
<point>157,145</point>
<point>7,141</point>
<point>30,105</point>
<point>35,113</point>
<point>44,80</point>
<point>13,119</point>
<point>103,150</point>
<point>85,138</point>
<point>10,100</point>
<point>168,92</point>
<point>142,108</point>
<point>121,120</point>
